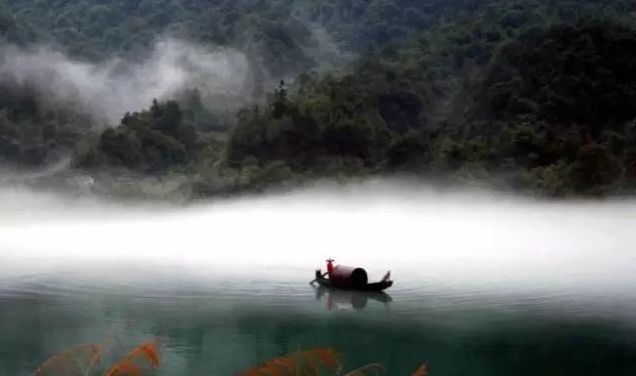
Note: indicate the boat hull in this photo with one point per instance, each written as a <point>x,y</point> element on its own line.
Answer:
<point>377,286</point>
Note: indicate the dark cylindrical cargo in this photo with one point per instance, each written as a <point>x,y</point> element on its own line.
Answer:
<point>348,276</point>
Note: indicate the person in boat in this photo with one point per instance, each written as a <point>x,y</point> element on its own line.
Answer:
<point>330,269</point>
<point>330,266</point>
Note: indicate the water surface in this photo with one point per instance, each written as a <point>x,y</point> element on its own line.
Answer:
<point>484,285</point>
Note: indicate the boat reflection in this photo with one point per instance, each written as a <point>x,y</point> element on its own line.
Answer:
<point>344,300</point>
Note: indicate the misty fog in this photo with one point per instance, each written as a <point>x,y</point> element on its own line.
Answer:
<point>461,238</point>
<point>111,88</point>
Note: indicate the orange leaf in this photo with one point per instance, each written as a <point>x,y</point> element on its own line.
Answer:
<point>126,368</point>
<point>422,370</point>
<point>144,354</point>
<point>329,358</point>
<point>305,363</point>
<point>150,351</point>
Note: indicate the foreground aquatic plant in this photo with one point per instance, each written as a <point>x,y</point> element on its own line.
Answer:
<point>81,360</point>
<point>312,362</point>
<point>76,361</point>
<point>422,370</point>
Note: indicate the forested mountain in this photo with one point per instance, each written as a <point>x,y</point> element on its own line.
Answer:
<point>532,94</point>
<point>286,34</point>
<point>541,97</point>
<point>281,38</point>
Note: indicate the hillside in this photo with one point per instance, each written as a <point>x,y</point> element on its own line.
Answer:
<point>529,95</point>
<point>543,103</point>
<point>288,36</point>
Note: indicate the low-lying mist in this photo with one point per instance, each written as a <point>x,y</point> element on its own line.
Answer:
<point>109,89</point>
<point>450,238</point>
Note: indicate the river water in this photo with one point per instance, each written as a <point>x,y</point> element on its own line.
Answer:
<point>485,285</point>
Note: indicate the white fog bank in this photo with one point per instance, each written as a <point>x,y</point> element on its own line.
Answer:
<point>469,239</point>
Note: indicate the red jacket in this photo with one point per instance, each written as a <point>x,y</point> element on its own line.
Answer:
<point>329,267</point>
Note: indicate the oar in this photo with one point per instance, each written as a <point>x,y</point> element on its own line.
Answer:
<point>315,279</point>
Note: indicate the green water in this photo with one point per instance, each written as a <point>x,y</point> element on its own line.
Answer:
<point>223,327</point>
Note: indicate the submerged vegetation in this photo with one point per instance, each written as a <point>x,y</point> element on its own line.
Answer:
<point>532,95</point>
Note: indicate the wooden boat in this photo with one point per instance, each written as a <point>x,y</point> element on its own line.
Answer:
<point>352,283</point>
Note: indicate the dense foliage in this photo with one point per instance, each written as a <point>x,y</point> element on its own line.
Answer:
<point>155,140</point>
<point>544,102</point>
<point>35,129</point>
<point>287,36</point>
